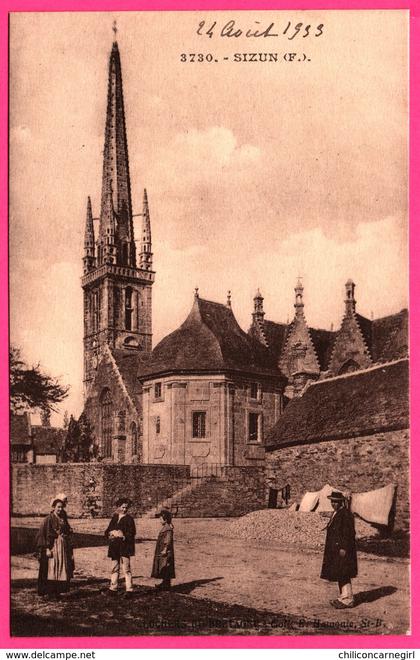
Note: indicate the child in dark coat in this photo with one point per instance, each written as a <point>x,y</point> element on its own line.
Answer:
<point>121,533</point>
<point>164,559</point>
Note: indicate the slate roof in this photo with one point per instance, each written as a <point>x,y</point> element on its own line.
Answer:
<point>210,340</point>
<point>355,404</point>
<point>386,337</point>
<point>276,334</point>
<point>20,429</point>
<point>390,337</point>
<point>47,439</point>
<point>323,341</point>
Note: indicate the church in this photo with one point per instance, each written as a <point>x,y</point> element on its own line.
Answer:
<point>209,393</point>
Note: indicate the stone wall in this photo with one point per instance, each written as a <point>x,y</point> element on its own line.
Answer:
<point>239,490</point>
<point>359,464</point>
<point>92,488</point>
<point>267,404</point>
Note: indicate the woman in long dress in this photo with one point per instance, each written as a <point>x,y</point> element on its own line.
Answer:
<point>164,559</point>
<point>55,554</point>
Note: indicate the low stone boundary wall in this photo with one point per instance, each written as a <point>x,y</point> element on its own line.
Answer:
<point>92,488</point>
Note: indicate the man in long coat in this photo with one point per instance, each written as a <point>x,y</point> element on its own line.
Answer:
<point>340,559</point>
<point>121,533</point>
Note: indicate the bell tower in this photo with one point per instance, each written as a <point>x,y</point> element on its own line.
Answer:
<point>117,292</point>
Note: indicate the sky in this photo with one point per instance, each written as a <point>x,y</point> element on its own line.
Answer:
<point>256,172</point>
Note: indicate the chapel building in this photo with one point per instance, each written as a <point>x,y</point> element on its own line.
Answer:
<point>208,393</point>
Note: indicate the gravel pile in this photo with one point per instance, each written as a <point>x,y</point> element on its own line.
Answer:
<point>288,527</point>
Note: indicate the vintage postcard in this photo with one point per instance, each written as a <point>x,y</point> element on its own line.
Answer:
<point>208,271</point>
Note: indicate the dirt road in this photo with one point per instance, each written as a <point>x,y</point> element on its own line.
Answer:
<point>223,586</point>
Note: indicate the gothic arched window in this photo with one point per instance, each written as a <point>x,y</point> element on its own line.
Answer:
<point>128,307</point>
<point>134,439</point>
<point>125,254</point>
<point>95,310</point>
<point>106,423</point>
<point>121,421</point>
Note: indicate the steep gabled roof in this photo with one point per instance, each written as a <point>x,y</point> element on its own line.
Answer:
<point>128,365</point>
<point>210,339</point>
<point>355,404</point>
<point>276,334</point>
<point>323,341</point>
<point>386,337</point>
<point>390,337</point>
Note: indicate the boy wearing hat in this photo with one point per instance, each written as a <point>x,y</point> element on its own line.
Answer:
<point>121,533</point>
<point>340,559</point>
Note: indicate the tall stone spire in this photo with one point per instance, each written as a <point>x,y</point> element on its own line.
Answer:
<point>115,174</point>
<point>117,295</point>
<point>89,245</point>
<point>146,255</point>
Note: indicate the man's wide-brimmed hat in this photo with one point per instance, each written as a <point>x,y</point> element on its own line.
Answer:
<point>61,496</point>
<point>123,500</point>
<point>165,513</point>
<point>336,496</point>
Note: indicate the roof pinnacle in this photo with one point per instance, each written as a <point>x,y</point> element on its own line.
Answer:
<point>115,29</point>
<point>350,302</point>
<point>299,298</point>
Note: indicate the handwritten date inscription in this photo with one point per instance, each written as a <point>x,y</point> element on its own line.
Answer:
<point>232,29</point>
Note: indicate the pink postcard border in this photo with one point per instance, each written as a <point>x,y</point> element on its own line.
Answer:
<point>411,641</point>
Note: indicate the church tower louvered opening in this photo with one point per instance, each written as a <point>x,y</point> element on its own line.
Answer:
<point>116,282</point>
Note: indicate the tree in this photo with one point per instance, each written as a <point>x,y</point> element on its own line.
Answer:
<point>32,389</point>
<point>66,419</point>
<point>79,445</point>
<point>46,417</point>
<point>71,442</point>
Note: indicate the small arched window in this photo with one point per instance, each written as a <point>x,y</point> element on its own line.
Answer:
<point>106,423</point>
<point>348,367</point>
<point>131,342</point>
